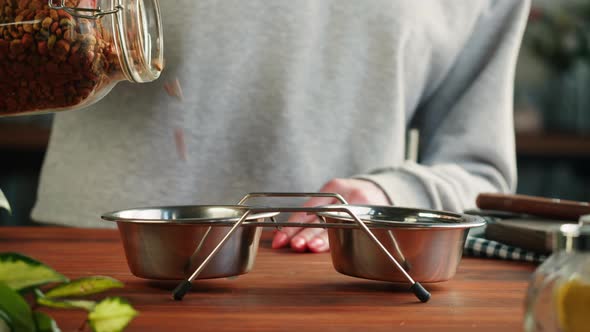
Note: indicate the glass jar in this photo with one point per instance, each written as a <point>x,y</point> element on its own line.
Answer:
<point>558,297</point>
<point>58,55</point>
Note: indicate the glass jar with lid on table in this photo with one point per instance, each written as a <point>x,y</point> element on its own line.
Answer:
<point>558,297</point>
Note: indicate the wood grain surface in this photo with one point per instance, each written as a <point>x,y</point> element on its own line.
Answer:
<point>285,291</point>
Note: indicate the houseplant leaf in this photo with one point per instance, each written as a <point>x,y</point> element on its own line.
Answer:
<point>67,304</point>
<point>84,286</point>
<point>63,304</point>
<point>111,315</point>
<point>16,308</point>
<point>4,202</point>
<point>21,272</point>
<point>5,322</point>
<point>45,323</point>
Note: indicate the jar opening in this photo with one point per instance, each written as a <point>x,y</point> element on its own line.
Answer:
<point>572,237</point>
<point>140,42</point>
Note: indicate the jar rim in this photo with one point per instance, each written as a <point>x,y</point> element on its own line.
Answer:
<point>138,25</point>
<point>573,237</point>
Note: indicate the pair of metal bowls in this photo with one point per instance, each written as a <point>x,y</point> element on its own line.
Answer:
<point>170,243</point>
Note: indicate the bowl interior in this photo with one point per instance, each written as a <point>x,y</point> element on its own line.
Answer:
<point>405,217</point>
<point>188,214</point>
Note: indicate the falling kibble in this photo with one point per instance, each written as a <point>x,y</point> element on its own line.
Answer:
<point>174,89</point>
<point>180,144</point>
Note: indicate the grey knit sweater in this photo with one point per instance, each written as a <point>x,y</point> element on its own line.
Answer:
<point>285,95</point>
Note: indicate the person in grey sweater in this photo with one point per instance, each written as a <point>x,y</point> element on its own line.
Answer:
<point>300,96</point>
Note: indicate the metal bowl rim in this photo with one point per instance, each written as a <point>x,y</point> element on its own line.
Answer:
<point>114,216</point>
<point>464,220</point>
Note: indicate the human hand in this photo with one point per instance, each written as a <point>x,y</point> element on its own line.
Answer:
<point>354,191</point>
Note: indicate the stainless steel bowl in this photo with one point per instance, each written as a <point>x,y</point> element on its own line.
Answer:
<point>428,244</point>
<point>169,243</point>
<point>173,242</point>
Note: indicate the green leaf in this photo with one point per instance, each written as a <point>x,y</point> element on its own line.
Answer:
<point>4,202</point>
<point>63,304</point>
<point>111,315</point>
<point>84,286</point>
<point>45,323</point>
<point>67,304</point>
<point>5,322</point>
<point>21,272</point>
<point>16,308</point>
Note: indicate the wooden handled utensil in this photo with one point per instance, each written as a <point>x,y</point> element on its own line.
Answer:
<point>537,206</point>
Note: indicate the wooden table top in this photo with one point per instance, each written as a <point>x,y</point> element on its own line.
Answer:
<point>285,291</point>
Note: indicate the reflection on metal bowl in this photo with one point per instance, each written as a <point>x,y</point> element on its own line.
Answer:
<point>173,242</point>
<point>169,243</point>
<point>367,241</point>
<point>428,244</point>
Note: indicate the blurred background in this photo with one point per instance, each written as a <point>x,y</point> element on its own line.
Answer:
<point>552,100</point>
<point>552,115</point>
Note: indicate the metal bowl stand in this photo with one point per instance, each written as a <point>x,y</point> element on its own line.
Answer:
<point>180,291</point>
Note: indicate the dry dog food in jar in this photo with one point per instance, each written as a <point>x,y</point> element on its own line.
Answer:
<point>58,55</point>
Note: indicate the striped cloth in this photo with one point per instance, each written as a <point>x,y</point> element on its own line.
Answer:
<point>478,246</point>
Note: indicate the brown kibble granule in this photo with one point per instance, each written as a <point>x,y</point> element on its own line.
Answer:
<point>174,89</point>
<point>180,144</point>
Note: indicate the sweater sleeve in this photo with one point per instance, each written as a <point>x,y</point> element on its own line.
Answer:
<point>466,125</point>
